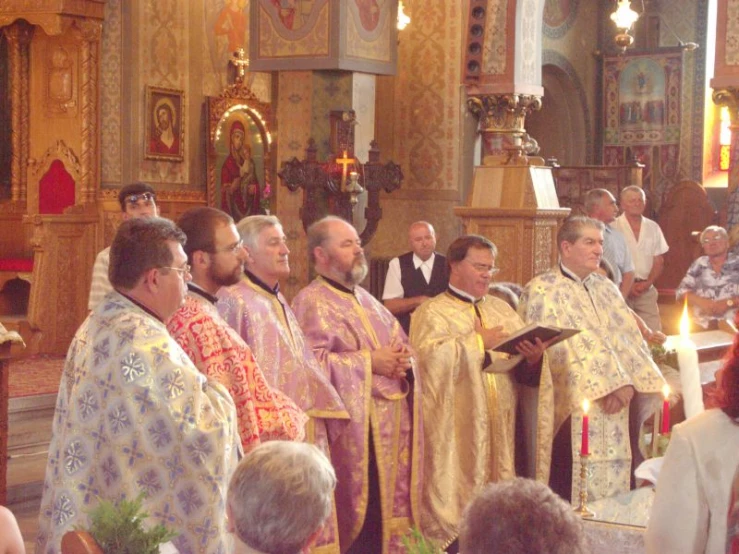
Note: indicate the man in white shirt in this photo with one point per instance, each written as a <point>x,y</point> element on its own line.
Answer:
<point>647,245</point>
<point>136,200</point>
<point>416,275</point>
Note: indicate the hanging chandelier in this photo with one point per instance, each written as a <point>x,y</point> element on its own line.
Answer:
<point>624,17</point>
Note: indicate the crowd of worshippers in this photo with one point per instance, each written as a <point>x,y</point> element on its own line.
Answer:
<point>341,421</point>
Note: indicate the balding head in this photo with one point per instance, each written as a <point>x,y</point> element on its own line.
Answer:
<point>422,239</point>
<point>336,251</point>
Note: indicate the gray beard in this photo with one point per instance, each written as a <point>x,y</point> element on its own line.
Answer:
<point>357,273</point>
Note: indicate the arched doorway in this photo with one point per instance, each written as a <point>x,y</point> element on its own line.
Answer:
<point>561,126</point>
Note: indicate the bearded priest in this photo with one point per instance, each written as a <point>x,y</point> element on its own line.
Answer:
<point>366,354</point>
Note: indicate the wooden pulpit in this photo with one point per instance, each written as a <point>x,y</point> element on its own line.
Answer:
<point>516,207</point>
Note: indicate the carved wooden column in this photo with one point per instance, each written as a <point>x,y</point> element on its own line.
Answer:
<point>19,37</point>
<point>90,34</point>
<point>502,118</point>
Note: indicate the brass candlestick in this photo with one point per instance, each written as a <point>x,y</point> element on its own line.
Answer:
<point>582,509</point>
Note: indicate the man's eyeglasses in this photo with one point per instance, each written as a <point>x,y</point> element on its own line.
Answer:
<point>233,249</point>
<point>712,239</point>
<point>147,197</point>
<point>184,270</point>
<point>482,268</point>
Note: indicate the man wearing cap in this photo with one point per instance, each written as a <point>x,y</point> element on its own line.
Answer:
<point>136,200</point>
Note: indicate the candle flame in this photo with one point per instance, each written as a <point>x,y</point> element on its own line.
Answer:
<point>585,406</point>
<point>666,391</point>
<point>685,320</point>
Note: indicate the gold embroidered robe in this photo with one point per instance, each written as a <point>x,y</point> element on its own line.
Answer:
<point>607,354</point>
<point>469,415</point>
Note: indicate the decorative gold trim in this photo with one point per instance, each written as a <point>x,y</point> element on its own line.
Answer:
<point>503,113</point>
<point>19,37</point>
<point>60,151</point>
<point>90,33</point>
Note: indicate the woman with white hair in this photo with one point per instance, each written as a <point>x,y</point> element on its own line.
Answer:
<point>279,498</point>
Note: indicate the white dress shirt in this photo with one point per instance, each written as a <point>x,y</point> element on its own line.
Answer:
<point>393,284</point>
<point>651,243</point>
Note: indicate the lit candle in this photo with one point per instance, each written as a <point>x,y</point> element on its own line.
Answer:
<point>666,410</point>
<point>584,448</point>
<point>687,359</point>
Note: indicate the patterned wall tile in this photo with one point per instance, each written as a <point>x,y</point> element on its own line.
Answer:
<point>164,61</point>
<point>110,94</point>
<point>294,111</point>
<point>428,97</point>
<point>495,46</point>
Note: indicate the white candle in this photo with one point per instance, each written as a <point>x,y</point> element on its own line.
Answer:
<point>687,359</point>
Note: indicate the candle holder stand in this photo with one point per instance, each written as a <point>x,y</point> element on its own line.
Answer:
<point>582,509</point>
<point>663,441</point>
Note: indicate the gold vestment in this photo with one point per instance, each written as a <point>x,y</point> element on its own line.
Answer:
<point>469,416</point>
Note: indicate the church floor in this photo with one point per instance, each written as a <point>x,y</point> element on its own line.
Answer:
<point>29,432</point>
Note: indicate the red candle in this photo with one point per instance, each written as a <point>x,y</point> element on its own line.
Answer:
<point>666,410</point>
<point>584,448</point>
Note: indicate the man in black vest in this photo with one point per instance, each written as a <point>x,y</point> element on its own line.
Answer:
<point>415,276</point>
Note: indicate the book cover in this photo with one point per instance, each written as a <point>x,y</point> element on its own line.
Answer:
<point>531,333</point>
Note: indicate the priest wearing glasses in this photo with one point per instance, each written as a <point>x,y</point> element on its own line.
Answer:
<point>216,256</point>
<point>469,392</point>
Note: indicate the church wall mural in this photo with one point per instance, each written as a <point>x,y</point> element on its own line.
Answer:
<point>643,116</point>
<point>225,30</point>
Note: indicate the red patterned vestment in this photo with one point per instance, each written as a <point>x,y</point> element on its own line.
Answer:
<point>220,353</point>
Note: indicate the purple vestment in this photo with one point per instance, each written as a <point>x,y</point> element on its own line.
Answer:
<point>343,328</point>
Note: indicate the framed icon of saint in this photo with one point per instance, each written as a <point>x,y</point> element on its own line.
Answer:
<point>165,124</point>
<point>239,170</point>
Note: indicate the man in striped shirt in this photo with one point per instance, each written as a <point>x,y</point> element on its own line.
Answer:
<point>601,205</point>
<point>136,200</point>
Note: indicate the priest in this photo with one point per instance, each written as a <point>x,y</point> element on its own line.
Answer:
<point>470,393</point>
<point>259,313</point>
<point>133,414</point>
<point>216,255</point>
<point>366,354</point>
<point>608,363</point>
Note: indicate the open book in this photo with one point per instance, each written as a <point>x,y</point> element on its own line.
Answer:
<point>531,333</point>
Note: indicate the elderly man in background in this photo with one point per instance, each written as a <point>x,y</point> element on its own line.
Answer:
<point>607,363</point>
<point>216,255</point>
<point>415,276</point>
<point>711,284</point>
<point>136,200</point>
<point>259,313</point>
<point>279,497</point>
<point>366,354</point>
<point>134,415</point>
<point>647,246</point>
<point>601,205</point>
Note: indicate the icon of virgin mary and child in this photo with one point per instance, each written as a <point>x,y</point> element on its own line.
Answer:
<point>240,187</point>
